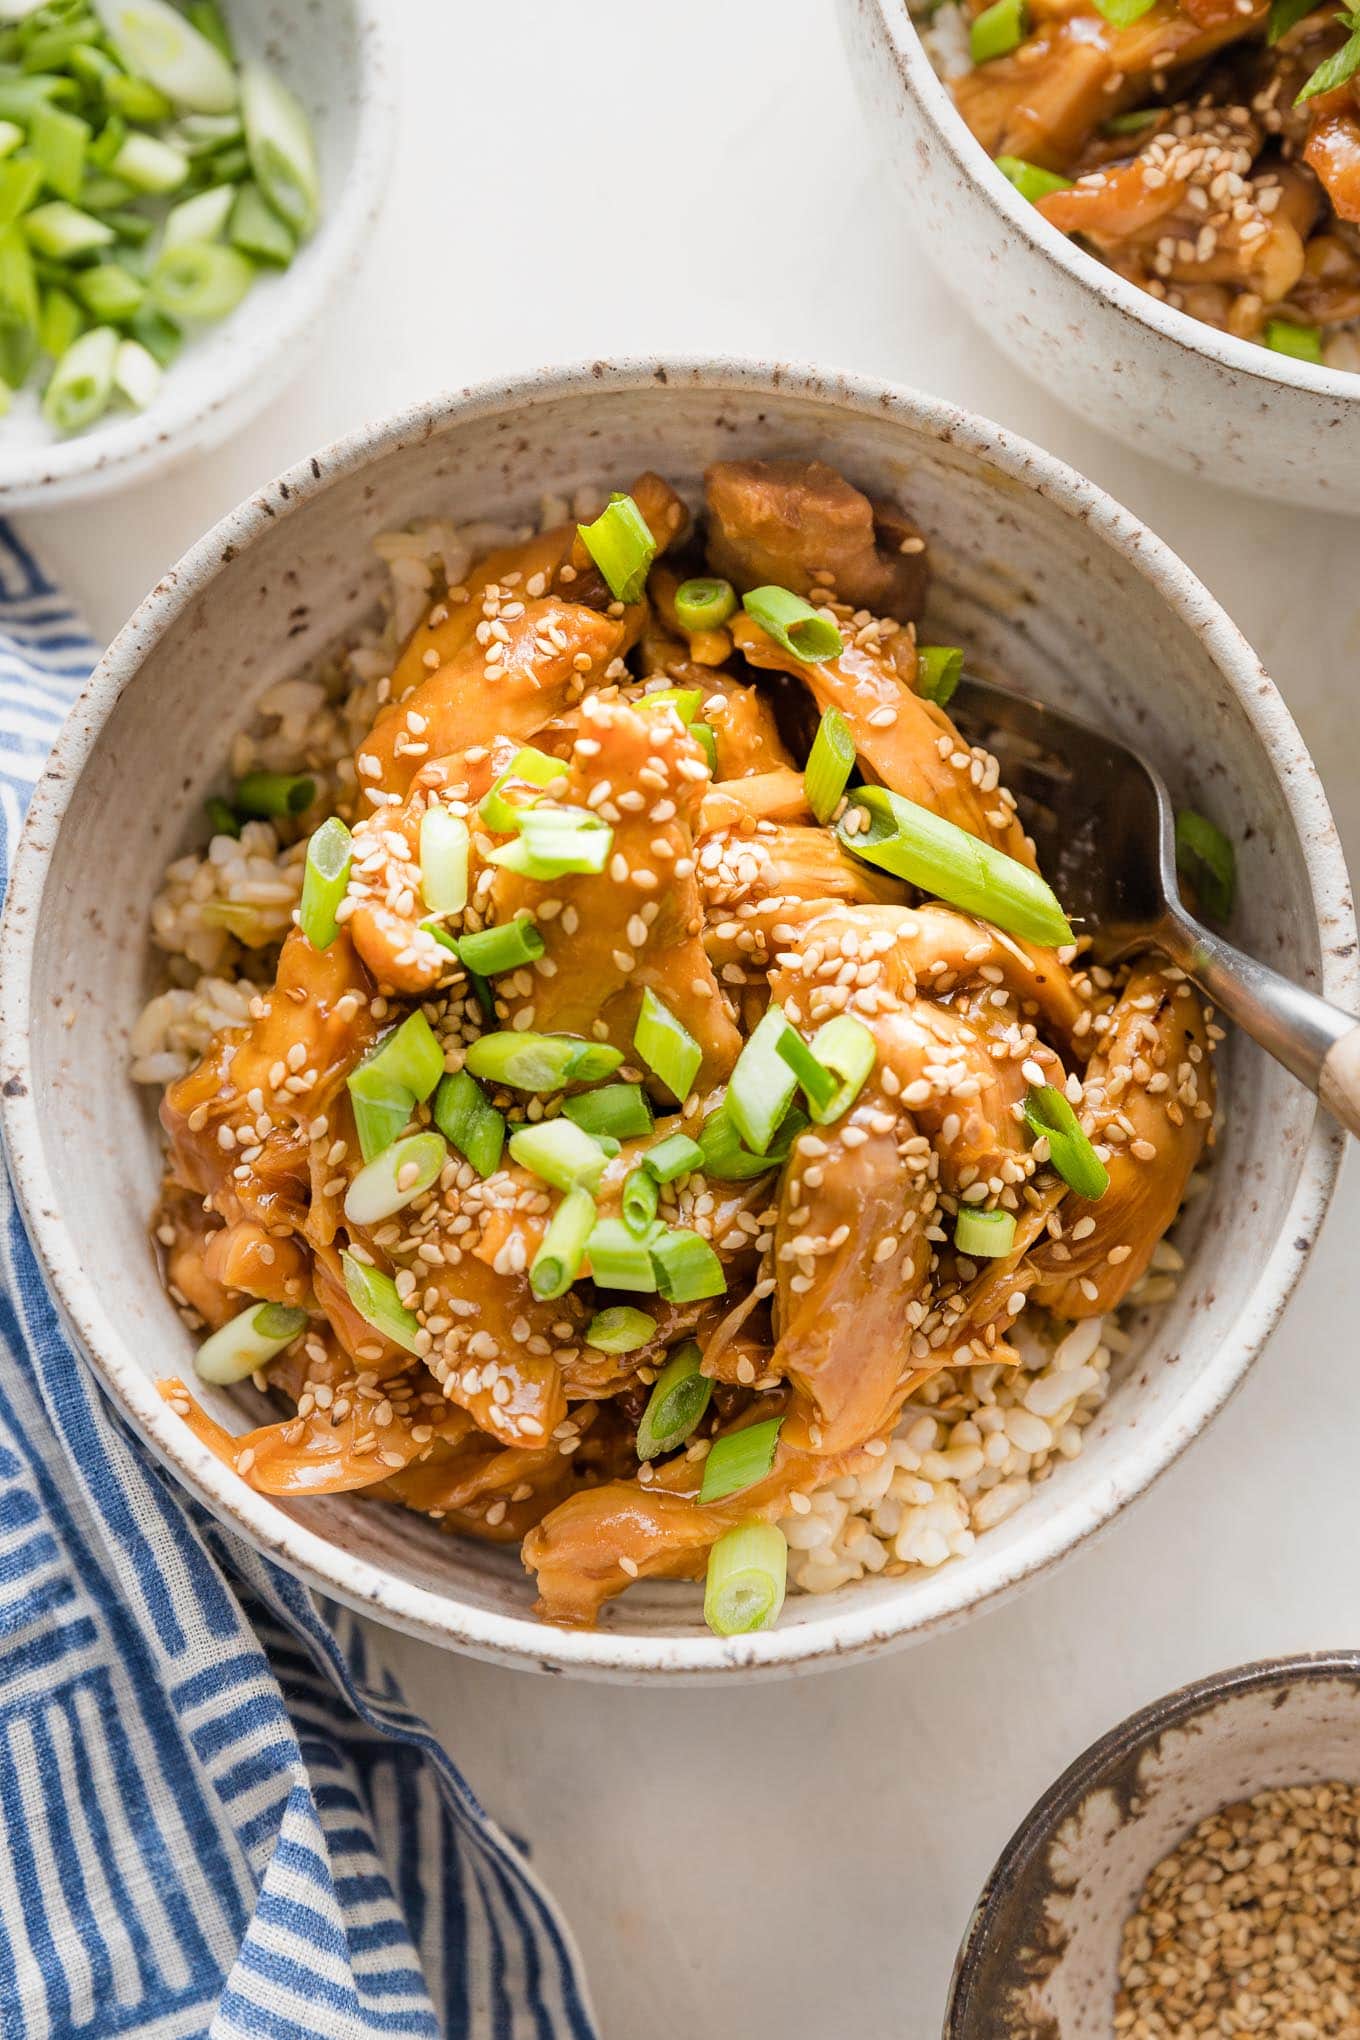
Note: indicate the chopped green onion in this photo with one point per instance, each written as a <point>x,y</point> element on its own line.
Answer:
<point>274,793</point>
<point>686,701</point>
<point>762,1085</point>
<point>200,280</point>
<point>1303,342</point>
<point>638,1201</point>
<point>794,624</point>
<point>18,307</point>
<point>1143,116</point>
<point>708,744</point>
<point>621,546</point>
<point>619,1259</point>
<point>150,165</point>
<point>137,373</point>
<point>554,842</point>
<point>1284,15</point>
<point>444,845</point>
<point>687,1269</point>
<point>19,184</point>
<point>59,141</point>
<point>528,768</point>
<point>224,819</point>
<point>61,231</point>
<point>673,1157</point>
<point>940,858</point>
<point>704,604</point>
<point>1205,857</point>
<point>374,1296</point>
<point>1334,71</point>
<point>200,218</point>
<point>668,1049</point>
<point>844,1046</point>
<point>747,1574</point>
<point>830,763</point>
<point>252,1339</point>
<point>325,877</point>
<point>11,137</point>
<point>392,1080</point>
<point>939,668</point>
<point>207,19</point>
<point>675,1408</point>
<point>157,43</point>
<point>256,229</point>
<point>1050,1117</point>
<point>469,1123</point>
<point>540,1062</point>
<point>490,951</point>
<point>395,1178</point>
<point>559,1260</point>
<point>1033,182</point>
<point>108,292</point>
<point>818,1084</point>
<point>135,99</point>
<point>60,322</point>
<point>156,334</point>
<point>621,1111</point>
<point>984,1235</point>
<point>998,30</point>
<point>82,381</point>
<point>207,134</point>
<point>282,151</point>
<point>739,1460</point>
<point>620,1329</point>
<point>1123,13</point>
<point>231,166</point>
<point>560,1153</point>
<point>728,1161</point>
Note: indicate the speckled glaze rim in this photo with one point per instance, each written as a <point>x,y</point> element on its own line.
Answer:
<point>818,1639</point>
<point>923,81</point>
<point>270,350</point>
<point>1111,1753</point>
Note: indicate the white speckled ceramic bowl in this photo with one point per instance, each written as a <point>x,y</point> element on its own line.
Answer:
<point>1037,571</point>
<point>1168,384</point>
<point>335,54</point>
<point>1041,1955</point>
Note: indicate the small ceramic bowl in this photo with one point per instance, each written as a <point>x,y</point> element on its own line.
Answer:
<point>1038,572</point>
<point>335,55</point>
<point>1165,383</point>
<point>1041,1955</point>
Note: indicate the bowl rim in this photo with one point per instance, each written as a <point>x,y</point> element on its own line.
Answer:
<point>1180,329</point>
<point>127,449</point>
<point>1128,1738</point>
<point>818,1638</point>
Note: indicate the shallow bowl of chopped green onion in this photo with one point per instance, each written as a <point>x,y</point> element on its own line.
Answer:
<point>1272,419</point>
<point>1115,628</point>
<point>184,185</point>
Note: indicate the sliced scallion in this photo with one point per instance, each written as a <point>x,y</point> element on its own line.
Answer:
<point>392,1079</point>
<point>739,1460</point>
<point>325,876</point>
<point>1284,15</point>
<point>621,546</point>
<point>761,1087</point>
<point>794,624</point>
<point>687,1269</point>
<point>673,1157</point>
<point>1334,71</point>
<point>157,44</point>
<point>1284,336</point>
<point>491,951</point>
<point>274,793</point>
<point>940,858</point>
<point>82,381</point>
<point>830,763</point>
<point>1124,13</point>
<point>675,1408</point>
<point>444,844</point>
<point>469,1122</point>
<point>256,229</point>
<point>59,141</point>
<point>374,1295</point>
<point>844,1046</point>
<point>395,1178</point>
<point>1050,1117</point>
<point>559,1152</point>
<point>1205,857</point>
<point>704,604</point>
<point>556,842</point>
<point>621,1111</point>
<point>62,231</point>
<point>559,1260</point>
<point>984,1235</point>
<point>282,151</point>
<point>136,373</point>
<point>225,821</point>
<point>638,1201</point>
<point>252,1339</point>
<point>939,669</point>
<point>619,1259</point>
<point>149,164</point>
<point>540,1062</point>
<point>668,1049</point>
<point>529,768</point>
<point>200,280</point>
<point>746,1578</point>
<point>728,1160</point>
<point>109,292</point>
<point>818,1084</point>
<point>998,30</point>
<point>686,701</point>
<point>1031,180</point>
<point>207,19</point>
<point>620,1329</point>
<point>200,218</point>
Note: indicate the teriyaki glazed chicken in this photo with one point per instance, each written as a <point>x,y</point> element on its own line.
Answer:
<point>631,1094</point>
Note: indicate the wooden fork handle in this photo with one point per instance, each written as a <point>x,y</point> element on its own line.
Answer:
<point>1339,1084</point>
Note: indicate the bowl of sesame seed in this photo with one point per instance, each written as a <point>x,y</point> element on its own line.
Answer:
<point>993,1478</point>
<point>1196,1871</point>
<point>1142,195</point>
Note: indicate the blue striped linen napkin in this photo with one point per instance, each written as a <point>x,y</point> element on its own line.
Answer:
<point>217,1816</point>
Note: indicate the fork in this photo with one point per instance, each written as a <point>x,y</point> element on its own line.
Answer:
<point>1104,830</point>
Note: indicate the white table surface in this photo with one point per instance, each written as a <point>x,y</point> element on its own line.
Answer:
<point>799,1860</point>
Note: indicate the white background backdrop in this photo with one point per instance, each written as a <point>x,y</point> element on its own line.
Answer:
<point>614,176</point>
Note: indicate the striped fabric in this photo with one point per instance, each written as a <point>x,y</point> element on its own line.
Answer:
<point>217,1817</point>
